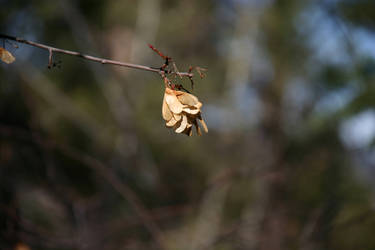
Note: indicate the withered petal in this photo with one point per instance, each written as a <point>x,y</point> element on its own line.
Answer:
<point>188,99</point>
<point>181,111</point>
<point>173,103</point>
<point>177,125</point>
<point>177,117</point>
<point>183,125</point>
<point>171,122</point>
<point>198,105</point>
<point>192,111</point>
<point>167,114</point>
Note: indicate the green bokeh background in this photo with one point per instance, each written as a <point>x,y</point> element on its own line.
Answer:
<point>289,161</point>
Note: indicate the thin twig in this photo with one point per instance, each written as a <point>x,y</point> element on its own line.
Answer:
<point>51,50</point>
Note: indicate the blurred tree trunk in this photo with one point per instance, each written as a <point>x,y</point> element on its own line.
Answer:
<point>279,29</point>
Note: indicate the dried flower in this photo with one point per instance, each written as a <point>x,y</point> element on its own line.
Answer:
<point>6,56</point>
<point>181,111</point>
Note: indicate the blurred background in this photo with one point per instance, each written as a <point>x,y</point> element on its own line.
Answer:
<point>289,161</point>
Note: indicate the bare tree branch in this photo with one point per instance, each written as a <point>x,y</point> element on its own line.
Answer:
<point>51,50</point>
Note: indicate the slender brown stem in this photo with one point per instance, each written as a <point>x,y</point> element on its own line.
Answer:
<point>51,50</point>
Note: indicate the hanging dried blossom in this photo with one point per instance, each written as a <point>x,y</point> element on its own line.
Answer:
<point>6,56</point>
<point>181,111</point>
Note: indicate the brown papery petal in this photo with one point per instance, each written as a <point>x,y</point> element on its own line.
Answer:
<point>171,122</point>
<point>167,114</point>
<point>191,111</point>
<point>186,98</point>
<point>173,103</point>
<point>177,125</point>
<point>198,105</point>
<point>6,56</point>
<point>183,125</point>
<point>177,117</point>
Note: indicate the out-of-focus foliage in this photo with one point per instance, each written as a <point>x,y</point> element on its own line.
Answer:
<point>87,163</point>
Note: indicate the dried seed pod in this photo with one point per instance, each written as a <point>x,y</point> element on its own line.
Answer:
<point>181,111</point>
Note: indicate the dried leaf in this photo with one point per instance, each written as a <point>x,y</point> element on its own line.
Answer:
<point>6,56</point>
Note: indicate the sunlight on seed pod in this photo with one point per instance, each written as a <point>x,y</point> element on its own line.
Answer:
<point>183,125</point>
<point>167,114</point>
<point>6,56</point>
<point>177,117</point>
<point>173,103</point>
<point>171,122</point>
<point>192,111</point>
<point>188,99</point>
<point>181,111</point>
